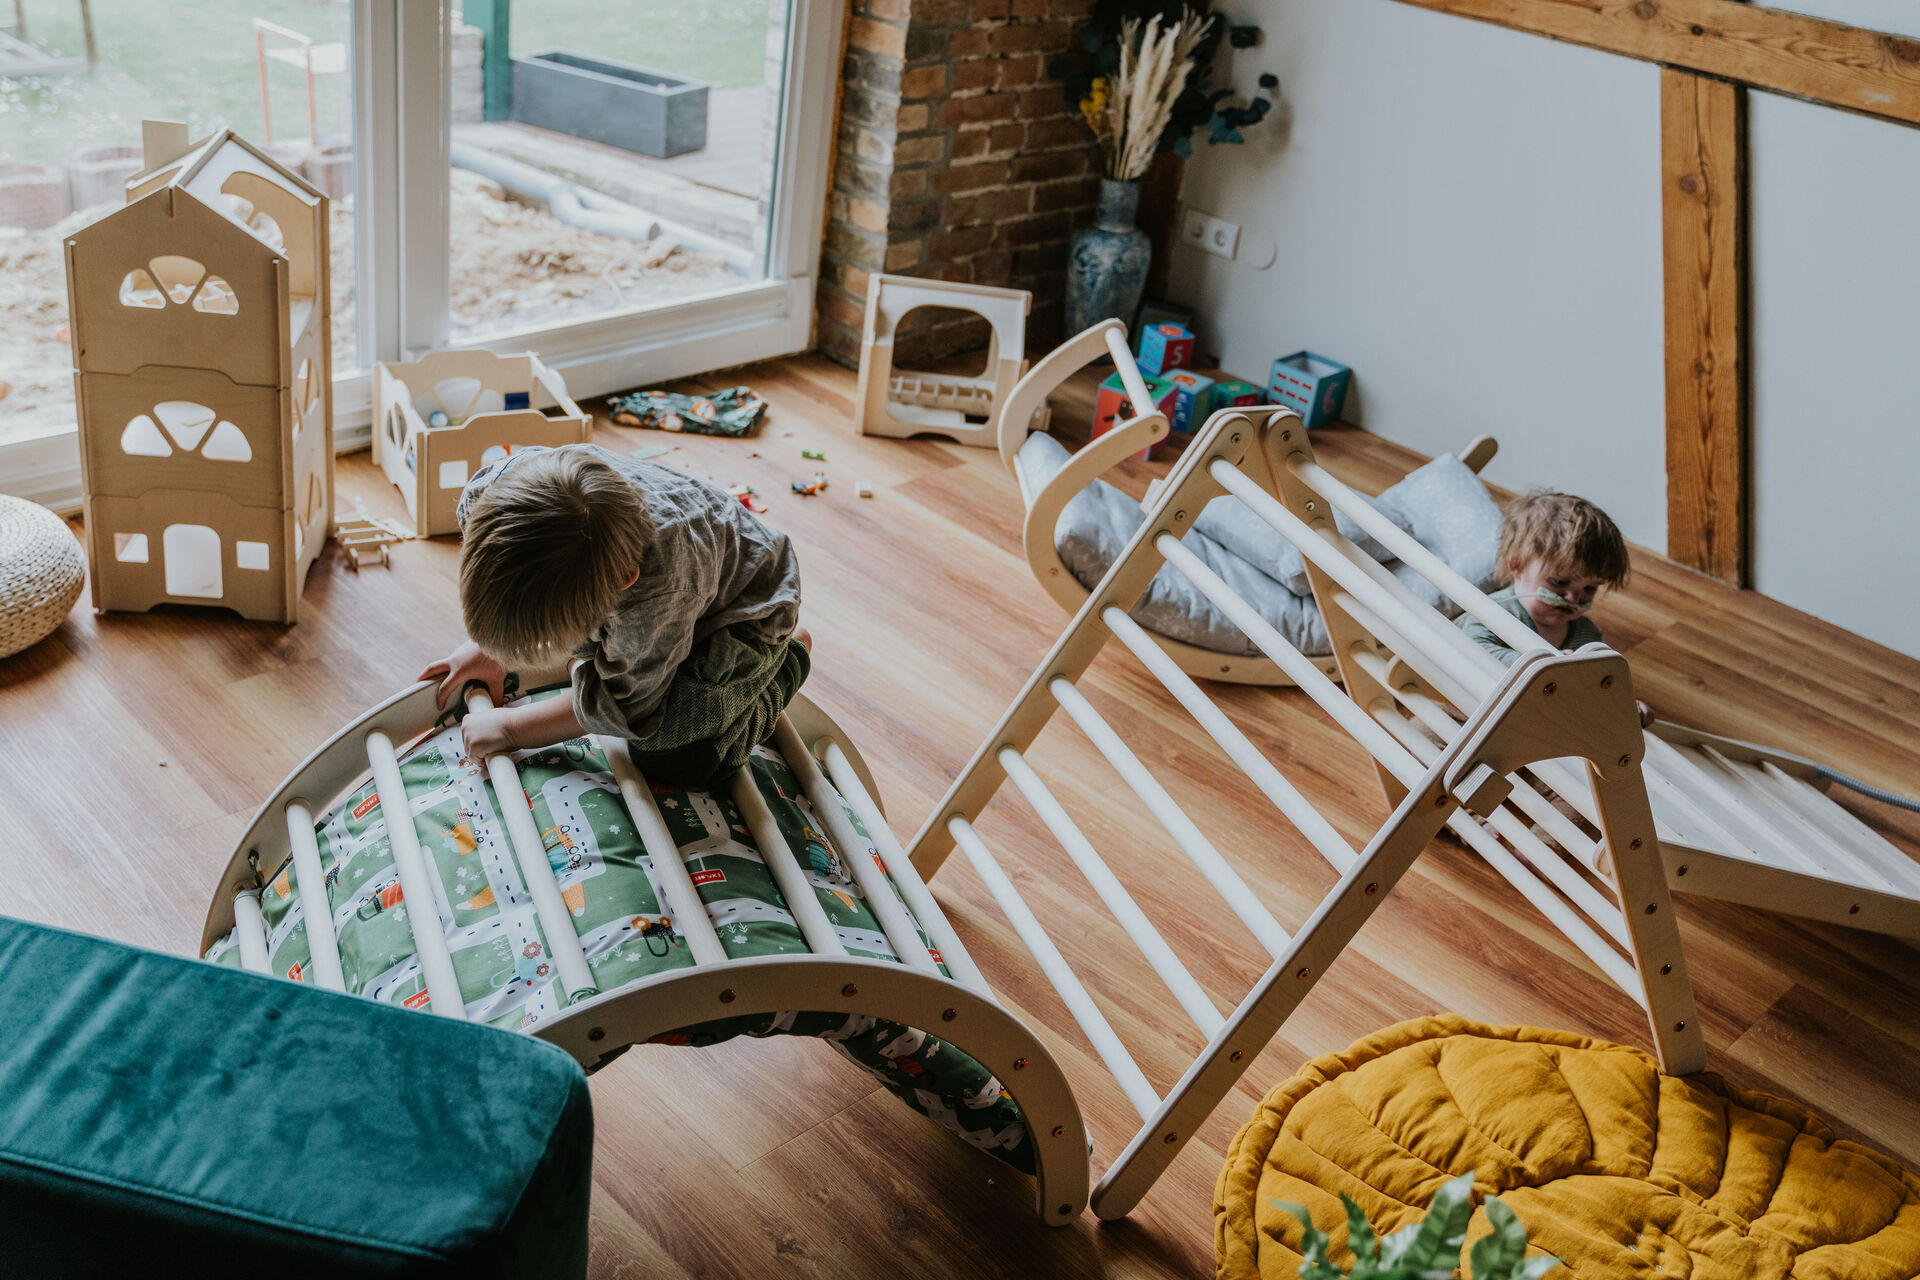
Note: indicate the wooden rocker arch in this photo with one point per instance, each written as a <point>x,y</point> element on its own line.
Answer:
<point>1046,499</point>
<point>935,989</point>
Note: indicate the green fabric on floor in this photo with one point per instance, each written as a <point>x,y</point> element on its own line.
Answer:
<point>159,1116</point>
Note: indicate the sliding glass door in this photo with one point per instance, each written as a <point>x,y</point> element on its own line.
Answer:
<point>632,189</point>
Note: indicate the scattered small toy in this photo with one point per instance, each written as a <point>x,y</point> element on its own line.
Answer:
<point>814,455</point>
<point>864,489</point>
<point>654,451</point>
<point>733,412</point>
<point>808,488</point>
<point>366,534</point>
<point>438,418</point>
<point>749,498</point>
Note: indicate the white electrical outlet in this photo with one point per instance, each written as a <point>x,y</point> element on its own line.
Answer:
<point>1213,235</point>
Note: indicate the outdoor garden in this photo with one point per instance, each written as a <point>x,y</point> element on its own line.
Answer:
<point>77,81</point>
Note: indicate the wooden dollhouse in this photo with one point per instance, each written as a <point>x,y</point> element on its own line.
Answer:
<point>203,379</point>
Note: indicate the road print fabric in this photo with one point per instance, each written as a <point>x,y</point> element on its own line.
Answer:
<point>500,954</point>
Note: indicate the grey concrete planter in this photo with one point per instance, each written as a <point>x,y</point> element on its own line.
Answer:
<point>652,112</point>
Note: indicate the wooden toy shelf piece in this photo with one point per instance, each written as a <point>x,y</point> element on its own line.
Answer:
<point>203,380</point>
<point>489,402</point>
<point>962,408</point>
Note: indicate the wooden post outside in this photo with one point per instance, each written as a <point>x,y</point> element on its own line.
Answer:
<point>1703,171</point>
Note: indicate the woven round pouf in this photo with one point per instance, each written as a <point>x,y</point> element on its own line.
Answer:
<point>41,573</point>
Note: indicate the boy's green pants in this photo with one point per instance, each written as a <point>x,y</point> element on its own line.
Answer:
<point>724,701</point>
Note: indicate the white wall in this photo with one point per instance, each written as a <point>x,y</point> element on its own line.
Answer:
<point>1836,354</point>
<point>1470,217</point>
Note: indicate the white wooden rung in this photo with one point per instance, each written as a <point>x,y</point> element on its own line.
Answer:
<point>250,929</point>
<point>1576,887</point>
<point>1516,634</point>
<point>1618,968</point>
<point>1123,360</point>
<point>860,856</point>
<point>416,881</point>
<point>1259,770</point>
<point>1139,930</point>
<point>1822,855</point>
<point>1192,841</point>
<point>1448,680</point>
<point>1099,1032</point>
<point>1710,795</point>
<point>919,899</point>
<point>1524,797</point>
<point>802,901</point>
<point>314,901</point>
<point>529,851</point>
<point>1384,595</point>
<point>1304,671</point>
<point>669,868</point>
<point>1892,867</point>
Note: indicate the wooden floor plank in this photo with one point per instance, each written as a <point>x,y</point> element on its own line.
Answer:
<point>781,1157</point>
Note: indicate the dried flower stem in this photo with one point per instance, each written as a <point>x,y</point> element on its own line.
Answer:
<point>1154,65</point>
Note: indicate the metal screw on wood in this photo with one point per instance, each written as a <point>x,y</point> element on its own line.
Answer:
<point>1302,973</point>
<point>1680,1026</point>
<point>726,997</point>
<point>850,990</point>
<point>1652,907</point>
<point>1635,843</point>
<point>1440,801</point>
<point>1019,1064</point>
<point>1235,1056</point>
<point>1373,888</point>
<point>1549,688</point>
<point>1169,1139</point>
<point>948,1015</point>
<point>1682,869</point>
<point>1665,969</point>
<point>1066,1208</point>
<point>1059,1131</point>
<point>1606,682</point>
<point>1310,505</point>
<point>1179,515</point>
<point>1854,910</point>
<point>1625,761</point>
<point>597,1033</point>
<point>1284,435</point>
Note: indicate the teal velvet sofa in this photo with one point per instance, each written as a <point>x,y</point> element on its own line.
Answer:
<point>161,1116</point>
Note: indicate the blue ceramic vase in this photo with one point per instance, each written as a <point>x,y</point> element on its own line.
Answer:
<point>1107,262</point>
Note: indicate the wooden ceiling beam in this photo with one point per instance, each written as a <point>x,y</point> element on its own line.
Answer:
<point>1852,68</point>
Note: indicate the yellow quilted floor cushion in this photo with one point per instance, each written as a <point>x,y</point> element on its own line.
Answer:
<point>1619,1170</point>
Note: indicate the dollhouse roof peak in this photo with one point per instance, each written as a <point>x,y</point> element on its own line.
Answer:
<point>181,167</point>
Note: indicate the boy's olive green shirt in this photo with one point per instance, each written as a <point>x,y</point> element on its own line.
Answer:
<point>1581,631</point>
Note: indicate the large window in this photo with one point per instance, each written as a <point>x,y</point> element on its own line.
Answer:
<point>632,189</point>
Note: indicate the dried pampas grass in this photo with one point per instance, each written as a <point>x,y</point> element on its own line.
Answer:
<point>1155,60</point>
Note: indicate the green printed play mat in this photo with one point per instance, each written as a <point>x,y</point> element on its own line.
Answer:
<point>501,957</point>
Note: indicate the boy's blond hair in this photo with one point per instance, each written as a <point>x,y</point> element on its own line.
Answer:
<point>550,547</point>
<point>1563,532</point>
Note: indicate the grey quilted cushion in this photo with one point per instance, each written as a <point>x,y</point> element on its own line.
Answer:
<point>1442,504</point>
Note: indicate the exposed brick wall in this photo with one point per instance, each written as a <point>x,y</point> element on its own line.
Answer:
<point>959,159</point>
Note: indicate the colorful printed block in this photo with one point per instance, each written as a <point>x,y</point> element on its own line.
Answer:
<point>1312,385</point>
<point>1232,393</point>
<point>1164,348</point>
<point>1194,392</point>
<point>1113,404</point>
